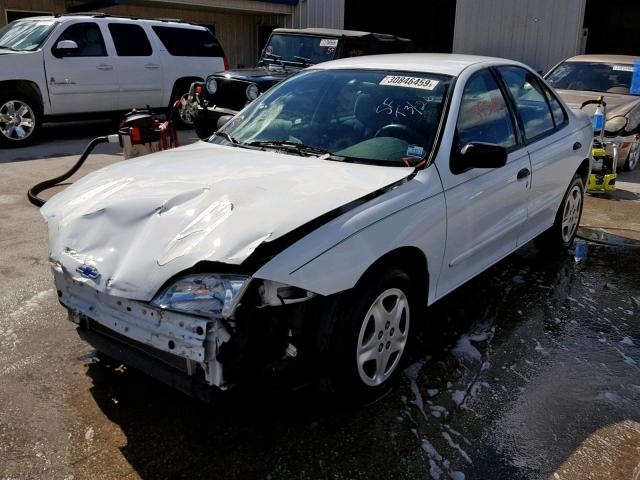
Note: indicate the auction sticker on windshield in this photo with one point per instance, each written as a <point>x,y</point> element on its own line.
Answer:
<point>623,68</point>
<point>329,42</point>
<point>411,82</point>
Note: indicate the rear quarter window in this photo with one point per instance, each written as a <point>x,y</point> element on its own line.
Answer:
<point>187,42</point>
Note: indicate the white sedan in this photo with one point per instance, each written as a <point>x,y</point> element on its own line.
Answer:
<point>317,225</point>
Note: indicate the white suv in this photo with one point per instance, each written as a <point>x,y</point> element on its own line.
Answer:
<point>59,66</point>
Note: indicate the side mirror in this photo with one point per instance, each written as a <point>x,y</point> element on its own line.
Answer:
<point>478,155</point>
<point>223,120</point>
<point>65,47</point>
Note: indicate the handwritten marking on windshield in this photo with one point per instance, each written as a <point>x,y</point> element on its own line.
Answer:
<point>402,110</point>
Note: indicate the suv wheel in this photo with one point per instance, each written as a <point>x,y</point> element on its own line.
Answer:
<point>19,120</point>
<point>564,229</point>
<point>371,333</point>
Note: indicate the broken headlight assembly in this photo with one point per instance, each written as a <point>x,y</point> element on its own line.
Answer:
<point>206,295</point>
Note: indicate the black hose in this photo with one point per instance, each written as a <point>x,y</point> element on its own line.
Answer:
<point>47,184</point>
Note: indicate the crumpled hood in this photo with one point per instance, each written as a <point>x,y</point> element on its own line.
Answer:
<point>139,222</point>
<point>617,104</point>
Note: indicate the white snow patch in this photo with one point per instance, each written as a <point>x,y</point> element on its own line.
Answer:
<point>432,392</point>
<point>88,435</point>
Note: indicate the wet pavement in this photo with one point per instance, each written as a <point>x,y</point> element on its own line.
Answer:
<point>529,371</point>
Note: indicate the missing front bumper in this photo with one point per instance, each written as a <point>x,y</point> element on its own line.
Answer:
<point>186,341</point>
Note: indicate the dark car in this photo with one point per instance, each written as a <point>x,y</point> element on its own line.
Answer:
<point>287,51</point>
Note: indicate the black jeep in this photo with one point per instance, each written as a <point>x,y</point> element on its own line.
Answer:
<point>287,52</point>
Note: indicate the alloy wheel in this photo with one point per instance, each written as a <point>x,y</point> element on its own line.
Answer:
<point>571,214</point>
<point>383,337</point>
<point>634,155</point>
<point>187,109</point>
<point>17,120</point>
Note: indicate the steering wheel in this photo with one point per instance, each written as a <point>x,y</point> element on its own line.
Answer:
<point>397,130</point>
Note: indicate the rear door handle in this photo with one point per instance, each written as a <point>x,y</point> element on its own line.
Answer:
<point>524,173</point>
<point>577,146</point>
<point>104,66</point>
<point>151,66</point>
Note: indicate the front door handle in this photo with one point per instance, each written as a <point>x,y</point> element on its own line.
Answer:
<point>151,66</point>
<point>524,173</point>
<point>104,66</point>
<point>577,146</point>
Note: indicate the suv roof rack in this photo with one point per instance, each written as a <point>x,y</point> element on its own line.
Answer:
<point>108,15</point>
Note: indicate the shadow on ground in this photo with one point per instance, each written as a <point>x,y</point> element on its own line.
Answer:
<point>448,401</point>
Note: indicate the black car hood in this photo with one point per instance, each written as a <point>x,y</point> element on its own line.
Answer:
<point>258,74</point>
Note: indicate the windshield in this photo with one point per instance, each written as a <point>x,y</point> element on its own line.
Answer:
<point>299,49</point>
<point>381,117</point>
<point>596,77</point>
<point>25,35</point>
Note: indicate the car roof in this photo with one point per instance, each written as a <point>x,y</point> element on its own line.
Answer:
<point>444,63</point>
<point>330,32</point>
<point>116,18</point>
<point>630,59</point>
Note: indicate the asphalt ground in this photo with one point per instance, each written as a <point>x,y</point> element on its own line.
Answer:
<point>531,370</point>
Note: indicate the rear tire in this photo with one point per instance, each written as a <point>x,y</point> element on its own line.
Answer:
<point>20,119</point>
<point>370,335</point>
<point>183,115</point>
<point>563,231</point>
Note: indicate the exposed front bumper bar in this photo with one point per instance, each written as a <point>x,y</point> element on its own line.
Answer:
<point>195,339</point>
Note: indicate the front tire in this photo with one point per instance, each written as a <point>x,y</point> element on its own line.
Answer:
<point>634,156</point>
<point>20,120</point>
<point>371,334</point>
<point>563,231</point>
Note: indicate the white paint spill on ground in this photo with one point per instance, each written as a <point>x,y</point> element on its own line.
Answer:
<point>627,341</point>
<point>19,319</point>
<point>456,447</point>
<point>22,363</point>
<point>439,467</point>
<point>539,348</point>
<point>626,358</point>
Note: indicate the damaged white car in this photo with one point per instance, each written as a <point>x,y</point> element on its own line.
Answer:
<point>313,230</point>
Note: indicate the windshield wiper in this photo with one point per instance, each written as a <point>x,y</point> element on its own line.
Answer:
<point>274,58</point>
<point>296,147</point>
<point>227,137</point>
<point>305,61</point>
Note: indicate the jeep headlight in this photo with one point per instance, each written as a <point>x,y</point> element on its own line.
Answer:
<point>212,86</point>
<point>252,91</point>
<point>207,294</point>
<point>615,125</point>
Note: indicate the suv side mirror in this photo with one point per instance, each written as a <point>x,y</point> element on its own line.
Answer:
<point>478,155</point>
<point>64,48</point>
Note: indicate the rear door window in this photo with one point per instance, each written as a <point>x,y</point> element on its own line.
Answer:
<point>530,100</point>
<point>130,40</point>
<point>188,42</point>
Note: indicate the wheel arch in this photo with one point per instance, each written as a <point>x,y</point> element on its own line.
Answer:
<point>409,259</point>
<point>179,82</point>
<point>584,170</point>
<point>26,87</point>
